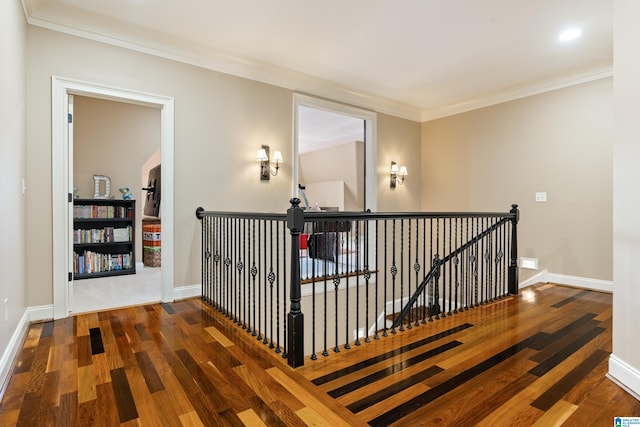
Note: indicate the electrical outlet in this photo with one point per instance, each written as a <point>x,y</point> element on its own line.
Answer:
<point>541,197</point>
<point>529,263</point>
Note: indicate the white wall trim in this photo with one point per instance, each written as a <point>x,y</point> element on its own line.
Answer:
<point>574,281</point>
<point>184,292</point>
<point>624,375</point>
<point>31,314</point>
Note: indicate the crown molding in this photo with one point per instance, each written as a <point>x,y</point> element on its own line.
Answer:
<point>180,50</point>
<point>515,93</point>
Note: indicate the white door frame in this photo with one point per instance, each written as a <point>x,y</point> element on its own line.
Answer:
<point>370,118</point>
<point>61,88</point>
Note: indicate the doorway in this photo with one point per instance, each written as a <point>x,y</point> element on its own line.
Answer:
<point>62,170</point>
<point>348,121</point>
<point>120,142</point>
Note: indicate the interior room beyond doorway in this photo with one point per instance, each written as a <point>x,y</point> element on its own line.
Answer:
<point>120,141</point>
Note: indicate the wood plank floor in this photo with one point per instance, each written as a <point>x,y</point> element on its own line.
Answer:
<point>536,359</point>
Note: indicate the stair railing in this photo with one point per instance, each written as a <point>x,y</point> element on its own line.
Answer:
<point>352,276</point>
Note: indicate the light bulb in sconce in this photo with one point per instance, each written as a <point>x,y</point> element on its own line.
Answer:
<point>266,170</point>
<point>397,175</point>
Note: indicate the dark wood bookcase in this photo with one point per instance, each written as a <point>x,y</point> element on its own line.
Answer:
<point>103,238</point>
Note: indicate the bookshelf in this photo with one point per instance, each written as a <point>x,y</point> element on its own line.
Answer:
<point>103,238</point>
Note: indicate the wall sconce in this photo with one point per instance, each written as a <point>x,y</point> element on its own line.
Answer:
<point>397,175</point>
<point>265,168</point>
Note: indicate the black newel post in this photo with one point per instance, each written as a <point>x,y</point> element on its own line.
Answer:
<point>295,223</point>
<point>513,260</point>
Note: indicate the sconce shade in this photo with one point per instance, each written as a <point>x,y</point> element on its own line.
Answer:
<point>262,155</point>
<point>403,171</point>
<point>394,168</point>
<point>277,157</point>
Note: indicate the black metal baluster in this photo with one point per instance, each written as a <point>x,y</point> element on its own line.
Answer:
<point>431,281</point>
<point>450,265</point>
<point>437,281</point>
<point>272,279</point>
<point>394,271</point>
<point>456,261</point>
<point>254,275</point>
<point>367,278</point>
<point>265,282</point>
<point>238,268</point>
<point>347,305</point>
<point>227,269</point>
<point>377,269</point>
<point>401,328</point>
<point>357,271</point>
<point>416,269</point>
<point>386,303</point>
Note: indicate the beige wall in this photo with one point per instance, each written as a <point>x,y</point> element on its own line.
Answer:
<point>114,139</point>
<point>558,142</point>
<point>626,200</point>
<point>342,162</point>
<point>12,169</point>
<point>220,122</point>
<point>399,141</point>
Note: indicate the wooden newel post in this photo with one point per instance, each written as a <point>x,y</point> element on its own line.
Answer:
<point>295,319</point>
<point>513,259</point>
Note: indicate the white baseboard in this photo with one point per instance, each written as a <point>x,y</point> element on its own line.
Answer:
<point>540,277</point>
<point>184,292</point>
<point>624,375</point>
<point>31,314</point>
<point>575,281</point>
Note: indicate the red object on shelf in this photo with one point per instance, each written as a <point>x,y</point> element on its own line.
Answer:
<point>303,241</point>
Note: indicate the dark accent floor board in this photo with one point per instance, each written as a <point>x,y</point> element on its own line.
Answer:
<point>47,329</point>
<point>552,361</point>
<point>388,355</point>
<point>124,399</point>
<point>151,378</point>
<point>96,341</point>
<point>570,299</point>
<point>387,392</point>
<point>562,387</point>
<point>392,370</point>
<point>564,331</point>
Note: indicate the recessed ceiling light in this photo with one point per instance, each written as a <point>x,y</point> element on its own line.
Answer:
<point>569,34</point>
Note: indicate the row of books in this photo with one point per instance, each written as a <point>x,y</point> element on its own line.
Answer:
<point>93,262</point>
<point>103,235</point>
<point>102,212</point>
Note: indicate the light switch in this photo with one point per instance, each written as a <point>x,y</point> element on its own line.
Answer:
<point>541,197</point>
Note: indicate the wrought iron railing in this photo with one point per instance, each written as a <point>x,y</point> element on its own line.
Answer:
<point>307,283</point>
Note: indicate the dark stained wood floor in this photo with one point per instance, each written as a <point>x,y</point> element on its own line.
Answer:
<point>536,359</point>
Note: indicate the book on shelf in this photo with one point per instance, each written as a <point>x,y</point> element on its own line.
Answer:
<point>89,262</point>
<point>101,211</point>
<point>103,235</point>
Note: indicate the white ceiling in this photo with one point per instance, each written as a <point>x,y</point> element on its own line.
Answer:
<point>418,59</point>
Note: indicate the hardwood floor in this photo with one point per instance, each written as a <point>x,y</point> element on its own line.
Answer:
<point>536,359</point>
